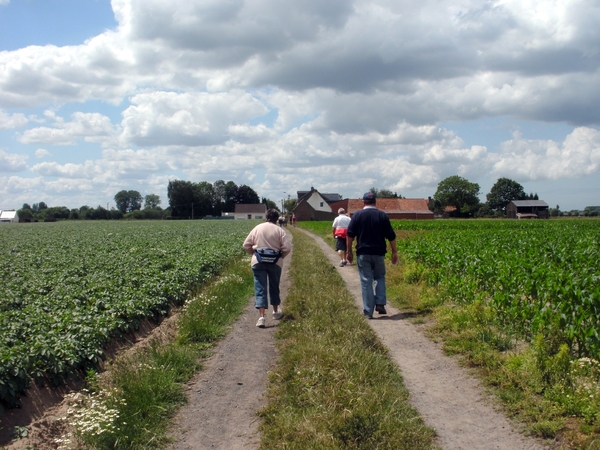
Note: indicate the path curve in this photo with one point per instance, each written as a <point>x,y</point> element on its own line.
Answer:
<point>449,399</point>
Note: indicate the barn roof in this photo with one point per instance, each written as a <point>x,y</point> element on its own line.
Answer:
<point>393,205</point>
<point>245,208</point>
<point>8,214</point>
<point>529,203</point>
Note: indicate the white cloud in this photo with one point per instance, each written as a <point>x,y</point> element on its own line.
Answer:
<point>10,121</point>
<point>88,127</point>
<point>10,162</point>
<point>42,153</point>
<point>527,160</point>
<point>194,118</point>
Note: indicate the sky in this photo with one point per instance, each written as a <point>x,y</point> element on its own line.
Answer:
<point>100,96</point>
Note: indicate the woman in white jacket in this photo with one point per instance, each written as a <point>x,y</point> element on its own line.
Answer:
<point>267,275</point>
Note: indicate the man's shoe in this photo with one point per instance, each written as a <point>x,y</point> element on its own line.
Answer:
<point>277,315</point>
<point>380,309</point>
<point>261,322</point>
<point>367,315</point>
<point>342,264</point>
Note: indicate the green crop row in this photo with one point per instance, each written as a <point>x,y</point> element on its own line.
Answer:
<point>540,277</point>
<point>69,288</point>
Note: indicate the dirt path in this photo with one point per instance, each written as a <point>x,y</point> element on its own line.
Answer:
<point>224,398</point>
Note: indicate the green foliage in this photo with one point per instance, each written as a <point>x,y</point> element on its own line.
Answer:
<point>460,193</point>
<point>128,201</point>
<point>538,276</point>
<point>152,201</point>
<point>503,192</point>
<point>195,200</point>
<point>69,288</point>
<point>384,193</point>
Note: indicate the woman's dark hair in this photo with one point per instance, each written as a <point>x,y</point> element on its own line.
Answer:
<point>272,215</point>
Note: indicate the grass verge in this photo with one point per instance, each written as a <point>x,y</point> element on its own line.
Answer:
<point>335,386</point>
<point>130,405</point>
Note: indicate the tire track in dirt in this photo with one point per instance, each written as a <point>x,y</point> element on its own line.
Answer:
<point>447,396</point>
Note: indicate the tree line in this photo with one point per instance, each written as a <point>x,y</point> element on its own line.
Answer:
<point>187,200</point>
<point>462,197</point>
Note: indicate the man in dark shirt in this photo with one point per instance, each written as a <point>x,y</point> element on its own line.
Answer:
<point>371,227</point>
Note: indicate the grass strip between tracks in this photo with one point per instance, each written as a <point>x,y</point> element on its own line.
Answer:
<point>335,386</point>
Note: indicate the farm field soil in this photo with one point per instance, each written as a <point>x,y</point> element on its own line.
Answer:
<point>224,397</point>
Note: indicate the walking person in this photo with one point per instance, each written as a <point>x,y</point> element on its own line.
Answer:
<point>340,228</point>
<point>370,228</point>
<point>268,244</point>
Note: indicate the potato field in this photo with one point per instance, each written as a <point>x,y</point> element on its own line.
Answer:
<point>68,288</point>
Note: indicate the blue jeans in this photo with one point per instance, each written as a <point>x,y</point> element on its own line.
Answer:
<point>371,269</point>
<point>266,279</point>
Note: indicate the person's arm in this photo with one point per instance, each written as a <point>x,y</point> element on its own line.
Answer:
<point>333,232</point>
<point>349,242</point>
<point>286,246</point>
<point>249,243</point>
<point>394,252</point>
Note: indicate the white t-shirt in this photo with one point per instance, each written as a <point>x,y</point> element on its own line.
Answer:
<point>341,221</point>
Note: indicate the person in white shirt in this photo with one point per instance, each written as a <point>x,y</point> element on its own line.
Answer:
<point>267,275</point>
<point>340,228</point>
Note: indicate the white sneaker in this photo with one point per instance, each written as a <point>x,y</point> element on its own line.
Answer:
<point>261,322</point>
<point>277,314</point>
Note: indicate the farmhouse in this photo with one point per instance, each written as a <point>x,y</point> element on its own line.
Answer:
<point>312,205</point>
<point>396,208</point>
<point>249,211</point>
<point>9,217</point>
<point>527,209</point>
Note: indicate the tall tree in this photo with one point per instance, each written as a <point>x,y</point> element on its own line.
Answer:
<point>181,198</point>
<point>290,204</point>
<point>504,192</point>
<point>270,204</point>
<point>203,199</point>
<point>152,201</point>
<point>245,194</point>
<point>458,192</point>
<point>128,201</point>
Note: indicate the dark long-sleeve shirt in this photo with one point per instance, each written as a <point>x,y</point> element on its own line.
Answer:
<point>371,227</point>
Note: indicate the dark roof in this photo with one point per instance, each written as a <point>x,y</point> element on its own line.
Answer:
<point>329,198</point>
<point>245,208</point>
<point>527,203</point>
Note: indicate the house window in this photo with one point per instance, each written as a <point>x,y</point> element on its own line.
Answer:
<point>321,204</point>
<point>258,217</point>
<point>249,216</point>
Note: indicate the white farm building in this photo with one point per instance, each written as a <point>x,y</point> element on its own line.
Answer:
<point>9,217</point>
